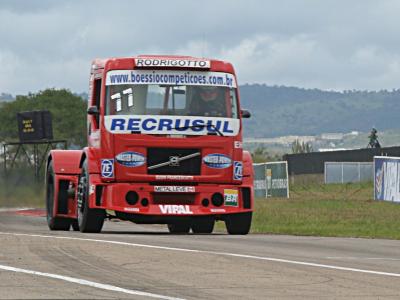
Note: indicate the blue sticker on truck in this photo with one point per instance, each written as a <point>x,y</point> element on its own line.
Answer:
<point>107,168</point>
<point>237,170</point>
<point>217,161</point>
<point>131,159</point>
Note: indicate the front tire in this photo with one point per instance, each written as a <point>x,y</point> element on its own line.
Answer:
<point>75,225</point>
<point>54,223</point>
<point>238,223</point>
<point>179,227</point>
<point>203,225</point>
<point>89,219</point>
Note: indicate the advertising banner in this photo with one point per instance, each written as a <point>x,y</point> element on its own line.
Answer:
<point>276,174</point>
<point>271,180</point>
<point>387,178</point>
<point>260,186</point>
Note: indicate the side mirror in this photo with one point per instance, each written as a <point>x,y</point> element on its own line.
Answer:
<point>93,110</point>
<point>245,114</point>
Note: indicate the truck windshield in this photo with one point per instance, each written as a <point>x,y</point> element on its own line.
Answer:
<point>176,100</point>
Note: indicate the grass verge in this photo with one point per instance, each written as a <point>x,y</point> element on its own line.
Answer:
<point>346,210</point>
<point>314,209</point>
<point>26,195</point>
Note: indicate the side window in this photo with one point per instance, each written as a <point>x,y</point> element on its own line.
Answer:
<point>96,100</point>
<point>233,103</point>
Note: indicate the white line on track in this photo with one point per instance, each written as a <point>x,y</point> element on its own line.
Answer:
<point>8,209</point>
<point>88,283</point>
<point>287,261</point>
<point>361,258</point>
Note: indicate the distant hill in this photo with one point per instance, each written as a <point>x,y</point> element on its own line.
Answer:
<point>281,110</point>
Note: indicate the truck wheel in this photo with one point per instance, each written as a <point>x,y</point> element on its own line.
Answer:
<point>89,219</point>
<point>203,225</point>
<point>181,227</point>
<point>238,223</point>
<point>75,225</point>
<point>54,223</point>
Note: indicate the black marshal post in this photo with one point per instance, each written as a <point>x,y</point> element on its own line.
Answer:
<point>35,131</point>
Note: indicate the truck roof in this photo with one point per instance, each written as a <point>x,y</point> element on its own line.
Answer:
<point>124,63</point>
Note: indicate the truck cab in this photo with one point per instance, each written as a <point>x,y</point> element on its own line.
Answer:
<point>164,147</point>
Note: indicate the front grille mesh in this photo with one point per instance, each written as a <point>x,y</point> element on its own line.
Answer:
<point>157,156</point>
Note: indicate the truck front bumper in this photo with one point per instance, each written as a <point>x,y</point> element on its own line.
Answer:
<point>171,200</point>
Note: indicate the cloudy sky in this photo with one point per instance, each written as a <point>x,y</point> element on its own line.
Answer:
<point>332,45</point>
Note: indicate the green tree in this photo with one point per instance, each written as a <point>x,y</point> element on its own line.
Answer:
<point>260,154</point>
<point>68,113</point>
<point>302,147</point>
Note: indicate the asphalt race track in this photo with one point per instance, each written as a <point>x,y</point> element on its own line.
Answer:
<point>145,262</point>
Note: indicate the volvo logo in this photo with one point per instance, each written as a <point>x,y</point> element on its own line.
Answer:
<point>174,161</point>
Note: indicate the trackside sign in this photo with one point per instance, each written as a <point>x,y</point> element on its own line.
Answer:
<point>172,63</point>
<point>148,124</point>
<point>387,178</point>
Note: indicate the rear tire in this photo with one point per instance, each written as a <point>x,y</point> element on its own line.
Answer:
<point>238,223</point>
<point>179,227</point>
<point>89,219</point>
<point>203,224</point>
<point>54,223</point>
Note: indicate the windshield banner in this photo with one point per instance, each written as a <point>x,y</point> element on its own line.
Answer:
<point>146,124</point>
<point>118,77</point>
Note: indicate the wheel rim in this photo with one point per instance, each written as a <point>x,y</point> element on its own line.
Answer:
<point>81,198</point>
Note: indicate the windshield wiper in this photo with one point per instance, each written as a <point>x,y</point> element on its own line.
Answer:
<point>202,126</point>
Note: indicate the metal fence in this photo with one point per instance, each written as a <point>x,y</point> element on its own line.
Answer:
<point>346,172</point>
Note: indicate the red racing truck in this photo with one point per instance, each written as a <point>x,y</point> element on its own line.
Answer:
<point>164,147</point>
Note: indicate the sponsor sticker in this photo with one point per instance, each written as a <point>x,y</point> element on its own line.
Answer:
<point>174,177</point>
<point>217,161</point>
<point>231,197</point>
<point>238,145</point>
<point>132,209</point>
<point>174,189</point>
<point>237,170</point>
<point>130,159</point>
<point>91,189</point>
<point>172,63</point>
<point>182,125</point>
<point>217,210</point>
<point>175,209</point>
<point>169,77</point>
<point>107,168</point>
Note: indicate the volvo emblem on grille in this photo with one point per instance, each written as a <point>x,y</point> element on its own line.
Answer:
<point>174,161</point>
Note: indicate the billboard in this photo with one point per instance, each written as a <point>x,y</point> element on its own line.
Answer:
<point>34,126</point>
<point>260,185</point>
<point>276,175</point>
<point>387,178</point>
<point>271,179</point>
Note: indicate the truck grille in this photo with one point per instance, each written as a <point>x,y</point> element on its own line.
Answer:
<point>167,161</point>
